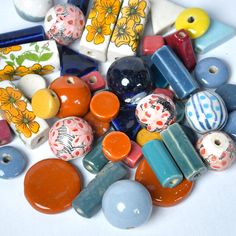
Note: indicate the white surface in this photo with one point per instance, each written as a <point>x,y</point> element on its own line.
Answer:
<point>209,211</point>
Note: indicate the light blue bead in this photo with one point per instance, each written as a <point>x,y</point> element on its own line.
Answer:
<point>127,204</point>
<point>230,126</point>
<point>217,34</point>
<point>211,72</point>
<point>12,162</point>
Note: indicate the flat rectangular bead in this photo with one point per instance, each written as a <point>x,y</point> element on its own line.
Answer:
<point>89,200</point>
<point>5,132</point>
<point>183,152</point>
<point>151,43</point>
<point>126,43</point>
<point>174,72</point>
<point>217,34</point>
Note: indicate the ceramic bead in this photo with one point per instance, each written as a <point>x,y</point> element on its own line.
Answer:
<point>162,163</point>
<point>155,112</point>
<point>45,103</point>
<point>181,80</point>
<point>81,4</point>
<point>228,94</point>
<point>190,133</point>
<point>5,132</point>
<point>217,150</point>
<point>129,29</point>
<point>30,84</point>
<point>163,15</point>
<point>230,127</point>
<point>12,162</point>
<point>33,10</point>
<point>50,185</point>
<point>167,92</point>
<point>127,204</point>
<point>70,138</point>
<point>217,34</point>
<point>64,23</point>
<point>144,136</point>
<point>164,197</point>
<point>205,111</point>
<point>98,30</point>
<point>180,110</point>
<point>28,35</point>
<point>89,201</point>
<point>181,44</point>
<point>32,130</point>
<point>31,58</point>
<point>74,95</point>
<point>211,72</point>
<point>194,20</point>
<point>151,43</point>
<point>183,152</point>
<point>129,79</point>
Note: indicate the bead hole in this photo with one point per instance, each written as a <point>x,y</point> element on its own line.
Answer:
<point>181,35</point>
<point>173,182</point>
<point>6,158</point>
<point>40,139</point>
<point>90,53</point>
<point>217,142</point>
<point>92,79</point>
<point>49,18</point>
<point>53,94</point>
<point>213,69</point>
<point>191,19</point>
<point>70,80</point>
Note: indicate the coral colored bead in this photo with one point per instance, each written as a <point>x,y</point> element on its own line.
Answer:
<point>145,136</point>
<point>74,95</point>
<point>151,43</point>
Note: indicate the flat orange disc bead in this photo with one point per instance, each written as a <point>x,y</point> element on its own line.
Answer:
<point>161,196</point>
<point>51,185</point>
<point>105,106</point>
<point>116,146</point>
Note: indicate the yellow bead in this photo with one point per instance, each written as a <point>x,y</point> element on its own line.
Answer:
<point>145,136</point>
<point>194,20</point>
<point>45,103</point>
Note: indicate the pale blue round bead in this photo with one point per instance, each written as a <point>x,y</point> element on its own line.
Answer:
<point>127,204</point>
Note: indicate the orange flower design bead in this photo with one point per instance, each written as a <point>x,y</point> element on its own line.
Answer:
<point>41,70</point>
<point>7,50</point>
<point>7,73</point>
<point>138,30</point>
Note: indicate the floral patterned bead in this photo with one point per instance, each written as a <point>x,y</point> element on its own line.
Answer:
<point>156,112</point>
<point>70,138</point>
<point>217,149</point>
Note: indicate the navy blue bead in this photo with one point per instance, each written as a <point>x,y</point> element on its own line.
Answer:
<point>73,63</point>
<point>228,94</point>
<point>129,78</point>
<point>230,126</point>
<point>81,4</point>
<point>12,162</point>
<point>190,133</point>
<point>211,72</point>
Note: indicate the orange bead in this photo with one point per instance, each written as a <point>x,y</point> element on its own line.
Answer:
<point>116,146</point>
<point>105,106</point>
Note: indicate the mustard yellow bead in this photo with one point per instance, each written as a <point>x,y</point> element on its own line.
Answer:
<point>194,20</point>
<point>45,103</point>
<point>144,136</point>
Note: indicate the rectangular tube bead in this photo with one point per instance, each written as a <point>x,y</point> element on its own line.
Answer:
<point>162,163</point>
<point>174,72</point>
<point>183,152</point>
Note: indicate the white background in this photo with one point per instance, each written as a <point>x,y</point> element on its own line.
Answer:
<point>209,210</point>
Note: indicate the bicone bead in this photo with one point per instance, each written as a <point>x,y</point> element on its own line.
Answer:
<point>217,150</point>
<point>230,127</point>
<point>151,43</point>
<point>127,204</point>
<point>144,136</point>
<point>211,72</point>
<point>70,138</point>
<point>5,132</point>
<point>194,20</point>
<point>205,111</point>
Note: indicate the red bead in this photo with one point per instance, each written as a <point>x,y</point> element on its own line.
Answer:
<point>181,44</point>
<point>151,43</point>
<point>5,133</point>
<point>166,92</point>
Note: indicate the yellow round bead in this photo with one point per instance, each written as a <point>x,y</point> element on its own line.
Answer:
<point>144,136</point>
<point>45,103</point>
<point>194,20</point>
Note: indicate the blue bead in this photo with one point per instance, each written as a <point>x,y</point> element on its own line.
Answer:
<point>228,94</point>
<point>180,111</point>
<point>174,72</point>
<point>12,162</point>
<point>230,126</point>
<point>127,204</point>
<point>190,133</point>
<point>211,72</point>
<point>217,34</point>
<point>81,4</point>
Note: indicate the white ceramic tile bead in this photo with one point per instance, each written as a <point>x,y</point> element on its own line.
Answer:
<point>129,29</point>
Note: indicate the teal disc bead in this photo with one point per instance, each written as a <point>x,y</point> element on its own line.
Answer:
<point>162,163</point>
<point>183,152</point>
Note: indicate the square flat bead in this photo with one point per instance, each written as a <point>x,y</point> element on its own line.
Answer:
<point>151,43</point>
<point>5,132</point>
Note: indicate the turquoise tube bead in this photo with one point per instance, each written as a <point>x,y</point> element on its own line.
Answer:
<point>89,200</point>
<point>162,163</point>
<point>183,152</point>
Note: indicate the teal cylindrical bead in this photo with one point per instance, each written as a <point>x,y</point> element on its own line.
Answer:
<point>162,163</point>
<point>94,161</point>
<point>183,152</point>
<point>89,200</point>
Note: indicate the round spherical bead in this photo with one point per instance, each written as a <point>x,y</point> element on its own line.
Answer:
<point>211,72</point>
<point>64,23</point>
<point>127,204</point>
<point>205,111</point>
<point>217,149</point>
<point>156,112</point>
<point>70,138</point>
<point>129,78</point>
